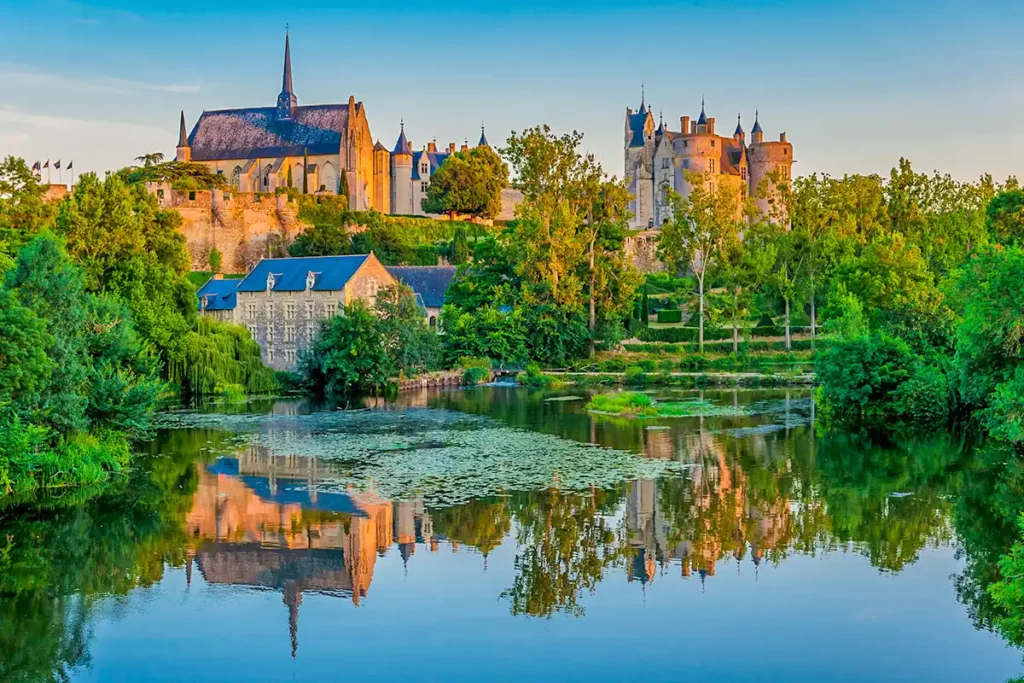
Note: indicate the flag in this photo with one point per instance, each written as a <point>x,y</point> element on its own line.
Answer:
<point>56,165</point>
<point>37,166</point>
<point>47,164</point>
<point>71,165</point>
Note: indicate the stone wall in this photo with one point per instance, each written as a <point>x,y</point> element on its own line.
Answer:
<point>244,227</point>
<point>642,248</point>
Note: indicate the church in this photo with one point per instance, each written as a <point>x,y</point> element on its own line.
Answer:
<point>312,148</point>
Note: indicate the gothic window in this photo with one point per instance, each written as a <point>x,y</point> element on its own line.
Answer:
<point>424,168</point>
<point>423,187</point>
<point>236,177</point>
<point>433,321</point>
<point>711,165</point>
<point>266,177</point>
<point>743,172</point>
<point>665,162</point>
<point>664,193</point>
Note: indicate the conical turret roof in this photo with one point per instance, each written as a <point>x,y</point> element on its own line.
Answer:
<point>402,146</point>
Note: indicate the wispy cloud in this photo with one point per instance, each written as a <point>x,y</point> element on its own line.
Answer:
<point>28,77</point>
<point>19,119</point>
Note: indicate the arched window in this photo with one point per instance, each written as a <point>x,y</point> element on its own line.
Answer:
<point>266,177</point>
<point>433,321</point>
<point>236,176</point>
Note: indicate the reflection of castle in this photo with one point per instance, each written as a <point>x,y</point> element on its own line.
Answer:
<point>702,519</point>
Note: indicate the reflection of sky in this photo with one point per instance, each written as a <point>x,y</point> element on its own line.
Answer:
<point>855,84</point>
<point>811,619</point>
<point>288,491</point>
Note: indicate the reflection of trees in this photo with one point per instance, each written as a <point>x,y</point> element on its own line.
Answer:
<point>55,562</point>
<point>481,524</point>
<point>564,544</point>
<point>985,517</point>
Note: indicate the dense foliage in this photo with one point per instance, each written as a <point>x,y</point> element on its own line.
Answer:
<point>469,183</point>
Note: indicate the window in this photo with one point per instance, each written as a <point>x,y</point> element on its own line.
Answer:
<point>227,196</point>
<point>330,309</point>
<point>433,321</point>
<point>310,331</point>
<point>250,311</point>
<point>192,196</point>
<point>686,163</point>
<point>270,309</point>
<point>270,355</point>
<point>664,162</point>
<point>289,333</point>
<point>289,310</point>
<point>423,187</point>
<point>252,331</point>
<point>159,194</point>
<point>712,143</point>
<point>309,310</point>
<point>743,172</point>
<point>270,334</point>
<point>711,165</point>
<point>289,355</point>
<point>685,143</point>
<point>424,168</point>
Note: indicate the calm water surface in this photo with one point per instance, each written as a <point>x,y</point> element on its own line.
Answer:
<point>501,533</point>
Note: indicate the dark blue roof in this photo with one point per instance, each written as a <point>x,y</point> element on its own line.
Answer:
<point>402,145</point>
<point>757,127</point>
<point>257,132</point>
<point>220,295</point>
<point>703,117</point>
<point>435,159</point>
<point>483,139</point>
<point>429,282</point>
<point>332,273</point>
<point>636,124</point>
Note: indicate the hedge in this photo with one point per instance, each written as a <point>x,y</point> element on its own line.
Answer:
<point>670,315</point>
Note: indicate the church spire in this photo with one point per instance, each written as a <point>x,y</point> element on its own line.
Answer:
<point>483,138</point>
<point>182,134</point>
<point>286,101</point>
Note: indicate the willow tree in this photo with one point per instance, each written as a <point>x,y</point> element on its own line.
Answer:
<point>703,223</point>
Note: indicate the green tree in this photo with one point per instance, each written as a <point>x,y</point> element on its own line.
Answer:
<point>702,224</point>
<point>411,346</point>
<point>23,207</point>
<point>151,159</point>
<point>1004,216</point>
<point>460,247</point>
<point>468,182</point>
<point>322,240</point>
<point>215,260</point>
<point>347,355</point>
<point>741,270</point>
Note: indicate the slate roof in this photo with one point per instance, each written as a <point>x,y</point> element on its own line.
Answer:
<point>220,295</point>
<point>483,139</point>
<point>757,124</point>
<point>402,146</point>
<point>257,132</point>
<point>435,159</point>
<point>636,125</point>
<point>430,283</point>
<point>732,155</point>
<point>332,273</point>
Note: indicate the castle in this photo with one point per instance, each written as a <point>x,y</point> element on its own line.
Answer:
<point>656,160</point>
<point>316,149</point>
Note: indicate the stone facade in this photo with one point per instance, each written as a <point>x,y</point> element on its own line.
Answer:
<point>658,159</point>
<point>283,322</point>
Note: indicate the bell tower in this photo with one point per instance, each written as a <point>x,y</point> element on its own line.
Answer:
<point>286,101</point>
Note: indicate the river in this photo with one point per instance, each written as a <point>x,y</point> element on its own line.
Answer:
<point>503,533</point>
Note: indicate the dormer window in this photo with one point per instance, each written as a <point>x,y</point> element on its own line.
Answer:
<point>424,168</point>
<point>271,281</point>
<point>206,301</point>
<point>310,280</point>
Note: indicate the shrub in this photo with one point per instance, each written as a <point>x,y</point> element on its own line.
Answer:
<point>535,378</point>
<point>475,370</point>
<point>635,376</point>
<point>647,364</point>
<point>670,315</point>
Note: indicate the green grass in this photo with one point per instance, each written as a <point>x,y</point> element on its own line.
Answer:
<point>637,404</point>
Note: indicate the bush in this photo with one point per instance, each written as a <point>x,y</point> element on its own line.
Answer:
<point>670,315</point>
<point>612,365</point>
<point>635,376</point>
<point>648,365</point>
<point>682,334</point>
<point>475,370</point>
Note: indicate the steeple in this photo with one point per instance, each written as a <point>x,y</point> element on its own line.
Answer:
<point>738,133</point>
<point>286,101</point>
<point>703,117</point>
<point>183,151</point>
<point>483,138</point>
<point>756,134</point>
<point>402,146</point>
<point>643,100</point>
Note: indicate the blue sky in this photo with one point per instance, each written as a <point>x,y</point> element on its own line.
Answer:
<point>855,84</point>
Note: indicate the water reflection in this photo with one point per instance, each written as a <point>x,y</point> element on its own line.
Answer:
<point>750,492</point>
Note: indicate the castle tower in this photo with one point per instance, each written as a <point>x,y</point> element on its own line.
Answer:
<point>401,175</point>
<point>286,101</point>
<point>770,163</point>
<point>183,152</point>
<point>381,178</point>
<point>483,138</point>
<point>738,134</point>
<point>639,164</point>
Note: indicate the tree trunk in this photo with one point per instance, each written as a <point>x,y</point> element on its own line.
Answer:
<point>700,319</point>
<point>789,343</point>
<point>735,323</point>
<point>814,317</point>
<point>593,311</point>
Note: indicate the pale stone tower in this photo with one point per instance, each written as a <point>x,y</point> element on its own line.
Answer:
<point>639,167</point>
<point>766,158</point>
<point>401,175</point>
<point>183,152</point>
<point>381,178</point>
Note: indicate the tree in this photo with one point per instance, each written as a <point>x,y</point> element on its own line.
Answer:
<point>742,268</point>
<point>1004,216</point>
<point>343,186</point>
<point>412,347</point>
<point>215,260</point>
<point>322,240</point>
<point>23,208</point>
<point>151,159</point>
<point>460,247</point>
<point>468,182</point>
<point>702,225</point>
<point>347,355</point>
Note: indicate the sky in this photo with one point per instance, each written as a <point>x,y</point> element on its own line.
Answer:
<point>855,84</point>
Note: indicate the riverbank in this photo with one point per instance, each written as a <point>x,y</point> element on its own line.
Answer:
<point>687,379</point>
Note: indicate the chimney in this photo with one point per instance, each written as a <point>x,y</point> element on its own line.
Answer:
<point>693,127</point>
<point>711,125</point>
<point>431,146</point>
<point>451,148</point>
<point>218,276</point>
<point>782,137</point>
<point>464,148</point>
<point>684,125</point>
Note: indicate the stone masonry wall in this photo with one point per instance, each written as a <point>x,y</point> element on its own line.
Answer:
<point>642,248</point>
